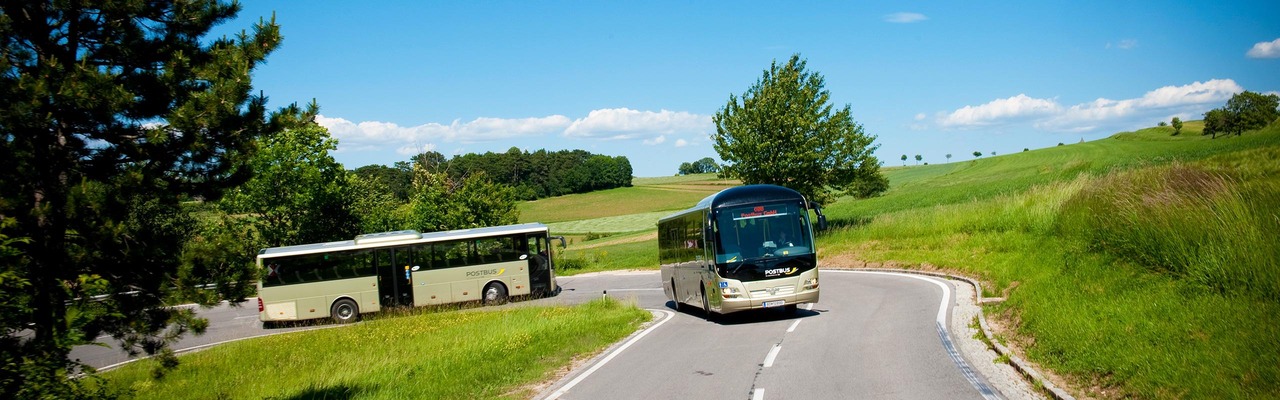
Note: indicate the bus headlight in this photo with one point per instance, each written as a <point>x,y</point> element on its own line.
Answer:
<point>731,292</point>
<point>810,284</point>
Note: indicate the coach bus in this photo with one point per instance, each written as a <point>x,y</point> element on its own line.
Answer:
<point>342,279</point>
<point>747,247</point>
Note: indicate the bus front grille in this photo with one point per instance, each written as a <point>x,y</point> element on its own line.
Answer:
<point>774,291</point>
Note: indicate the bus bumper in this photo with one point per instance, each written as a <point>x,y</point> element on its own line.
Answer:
<point>758,302</point>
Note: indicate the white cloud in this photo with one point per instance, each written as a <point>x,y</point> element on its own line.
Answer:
<point>681,143</point>
<point>625,123</point>
<point>999,110</point>
<point>1265,50</point>
<point>1046,114</point>
<point>655,141</point>
<point>1104,112</point>
<point>414,150</point>
<point>375,133</point>
<point>1125,44</point>
<point>904,17</point>
<point>920,117</point>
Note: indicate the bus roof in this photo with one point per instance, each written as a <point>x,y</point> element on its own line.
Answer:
<point>746,194</point>
<point>397,238</point>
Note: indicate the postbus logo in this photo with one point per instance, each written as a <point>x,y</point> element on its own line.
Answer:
<point>779,271</point>
<point>485,272</point>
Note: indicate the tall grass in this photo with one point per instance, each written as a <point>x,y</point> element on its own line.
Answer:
<point>1187,220</point>
<point>1153,278</point>
<point>448,355</point>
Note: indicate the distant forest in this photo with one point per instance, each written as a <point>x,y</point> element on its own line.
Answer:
<point>533,175</point>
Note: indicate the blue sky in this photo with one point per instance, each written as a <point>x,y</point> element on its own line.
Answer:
<point>642,80</point>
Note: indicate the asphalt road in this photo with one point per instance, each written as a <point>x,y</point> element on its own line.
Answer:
<point>873,335</point>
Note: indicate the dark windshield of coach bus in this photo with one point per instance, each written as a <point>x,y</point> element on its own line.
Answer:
<point>762,230</point>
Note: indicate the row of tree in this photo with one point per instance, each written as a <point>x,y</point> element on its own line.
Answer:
<point>1245,111</point>
<point>532,176</point>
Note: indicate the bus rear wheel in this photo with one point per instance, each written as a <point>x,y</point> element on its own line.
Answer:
<point>495,293</point>
<point>344,311</point>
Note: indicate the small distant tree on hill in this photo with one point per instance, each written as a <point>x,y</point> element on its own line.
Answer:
<point>977,154</point>
<point>1161,124</point>
<point>904,160</point>
<point>918,159</point>
<point>704,166</point>
<point>1024,149</point>
<point>1177,126</point>
<point>948,157</point>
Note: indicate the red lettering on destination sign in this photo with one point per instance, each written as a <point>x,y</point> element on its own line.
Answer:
<point>759,212</point>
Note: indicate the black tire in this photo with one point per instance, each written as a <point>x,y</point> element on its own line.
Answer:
<point>494,294</point>
<point>344,311</point>
<point>675,296</point>
<point>706,305</point>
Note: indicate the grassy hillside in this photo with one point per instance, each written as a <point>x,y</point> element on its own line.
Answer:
<point>1141,265</point>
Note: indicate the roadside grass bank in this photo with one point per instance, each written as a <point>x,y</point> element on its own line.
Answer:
<point>444,355</point>
<point>1151,279</point>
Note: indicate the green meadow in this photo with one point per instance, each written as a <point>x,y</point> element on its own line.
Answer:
<point>1140,265</point>
<point>418,354</point>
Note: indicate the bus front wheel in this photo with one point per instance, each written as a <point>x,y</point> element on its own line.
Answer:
<point>495,294</point>
<point>344,311</point>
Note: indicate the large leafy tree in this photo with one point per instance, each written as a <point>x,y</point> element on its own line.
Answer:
<point>110,113</point>
<point>1252,110</point>
<point>440,203</point>
<point>299,193</point>
<point>784,131</point>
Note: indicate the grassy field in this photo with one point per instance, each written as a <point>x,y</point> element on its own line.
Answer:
<point>449,355</point>
<point>1141,265</point>
<point>645,195</point>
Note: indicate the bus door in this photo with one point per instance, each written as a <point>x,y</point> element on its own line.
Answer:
<point>395,285</point>
<point>539,263</point>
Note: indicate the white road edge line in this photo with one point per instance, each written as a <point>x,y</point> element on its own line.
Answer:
<point>944,334</point>
<point>606,359</point>
<point>793,326</point>
<point>758,394</point>
<point>773,354</point>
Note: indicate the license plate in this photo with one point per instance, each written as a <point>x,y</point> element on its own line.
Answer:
<point>774,303</point>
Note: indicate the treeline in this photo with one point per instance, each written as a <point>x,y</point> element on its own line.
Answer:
<point>532,176</point>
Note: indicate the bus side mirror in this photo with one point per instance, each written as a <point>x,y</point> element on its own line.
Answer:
<point>822,219</point>
<point>561,239</point>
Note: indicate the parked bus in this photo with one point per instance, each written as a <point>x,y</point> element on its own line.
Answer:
<point>404,269</point>
<point>743,248</point>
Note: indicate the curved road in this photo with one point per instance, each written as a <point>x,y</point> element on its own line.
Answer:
<point>873,335</point>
